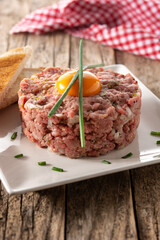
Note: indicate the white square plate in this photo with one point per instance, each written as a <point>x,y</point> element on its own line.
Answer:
<point>24,174</point>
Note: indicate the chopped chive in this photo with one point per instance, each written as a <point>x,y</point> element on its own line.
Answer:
<point>81,122</point>
<point>93,66</point>
<point>14,135</point>
<point>42,163</point>
<point>106,162</point>
<point>127,155</point>
<point>155,133</point>
<point>60,100</point>
<point>158,142</point>
<point>57,169</point>
<point>18,156</point>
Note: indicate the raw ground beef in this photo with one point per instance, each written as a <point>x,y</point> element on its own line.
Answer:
<point>110,118</point>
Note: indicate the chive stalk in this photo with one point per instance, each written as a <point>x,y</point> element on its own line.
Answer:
<point>57,169</point>
<point>81,122</point>
<point>106,162</point>
<point>155,133</point>
<point>79,74</point>
<point>14,135</point>
<point>158,142</point>
<point>127,155</point>
<point>18,155</point>
<point>93,66</point>
<point>42,163</point>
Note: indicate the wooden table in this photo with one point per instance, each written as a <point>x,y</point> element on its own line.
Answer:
<point>124,205</point>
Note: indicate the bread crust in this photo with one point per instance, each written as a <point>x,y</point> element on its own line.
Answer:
<point>11,65</point>
<point>8,66</point>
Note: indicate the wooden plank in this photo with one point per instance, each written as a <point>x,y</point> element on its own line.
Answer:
<point>147,70</point>
<point>99,208</point>
<point>107,55</point>
<point>11,8</point>
<point>146,190</point>
<point>38,215</point>
<point>145,181</point>
<point>15,10</point>
<point>3,34</point>
<point>14,218</point>
<point>37,4</point>
<point>43,214</point>
<point>3,211</point>
<point>42,50</point>
<point>61,47</point>
<point>42,45</point>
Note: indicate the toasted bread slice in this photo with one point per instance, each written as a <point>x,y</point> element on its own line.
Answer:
<point>11,65</point>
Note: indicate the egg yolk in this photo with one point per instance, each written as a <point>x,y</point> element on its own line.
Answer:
<point>91,84</point>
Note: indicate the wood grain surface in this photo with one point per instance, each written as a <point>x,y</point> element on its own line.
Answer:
<point>124,205</point>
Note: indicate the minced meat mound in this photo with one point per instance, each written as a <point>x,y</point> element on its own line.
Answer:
<point>110,117</point>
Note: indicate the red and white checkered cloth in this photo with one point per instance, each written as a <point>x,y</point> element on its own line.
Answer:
<point>128,25</point>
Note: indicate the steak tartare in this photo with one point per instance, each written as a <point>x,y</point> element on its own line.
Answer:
<point>110,117</point>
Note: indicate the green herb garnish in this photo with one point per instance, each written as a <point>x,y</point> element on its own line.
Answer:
<point>81,122</point>
<point>14,135</point>
<point>106,162</point>
<point>57,169</point>
<point>128,155</point>
<point>42,163</point>
<point>158,142</point>
<point>18,156</point>
<point>155,133</point>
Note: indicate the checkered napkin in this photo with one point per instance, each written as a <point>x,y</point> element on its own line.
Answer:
<point>128,25</point>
